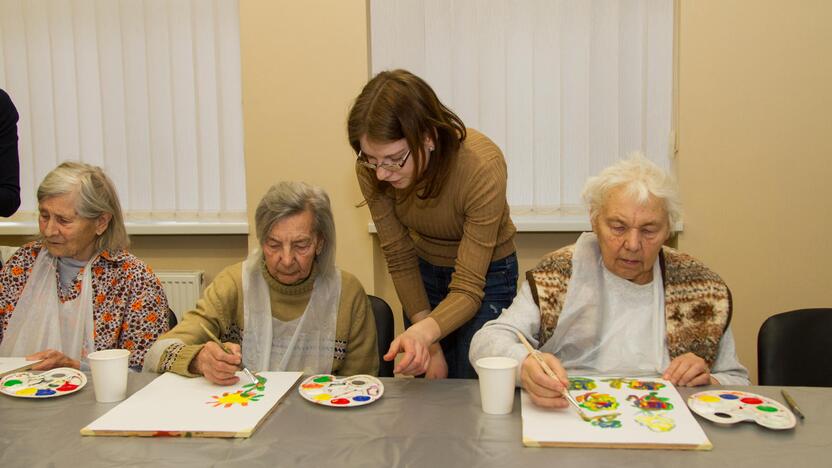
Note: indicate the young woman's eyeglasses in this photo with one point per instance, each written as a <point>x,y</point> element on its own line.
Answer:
<point>388,164</point>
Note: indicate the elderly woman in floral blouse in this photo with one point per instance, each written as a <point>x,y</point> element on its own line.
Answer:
<point>77,289</point>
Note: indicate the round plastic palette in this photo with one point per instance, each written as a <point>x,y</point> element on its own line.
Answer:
<point>52,383</point>
<point>344,392</point>
<point>731,407</point>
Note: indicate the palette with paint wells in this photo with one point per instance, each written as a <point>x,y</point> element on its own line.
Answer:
<point>343,392</point>
<point>731,406</point>
<point>48,384</point>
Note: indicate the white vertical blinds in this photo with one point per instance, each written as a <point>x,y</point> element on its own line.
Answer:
<point>148,89</point>
<point>563,87</point>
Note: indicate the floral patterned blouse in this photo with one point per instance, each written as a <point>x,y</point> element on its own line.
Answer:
<point>129,305</point>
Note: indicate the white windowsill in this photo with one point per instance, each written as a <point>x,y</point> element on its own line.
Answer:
<point>149,227</point>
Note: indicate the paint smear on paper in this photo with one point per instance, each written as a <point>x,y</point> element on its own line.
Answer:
<point>597,401</point>
<point>656,422</point>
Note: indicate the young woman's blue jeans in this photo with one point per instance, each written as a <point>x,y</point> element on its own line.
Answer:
<point>500,289</point>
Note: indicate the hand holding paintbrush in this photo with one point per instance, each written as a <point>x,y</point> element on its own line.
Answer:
<point>564,386</point>
<point>225,349</point>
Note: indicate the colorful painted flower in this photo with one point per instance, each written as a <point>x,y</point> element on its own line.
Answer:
<point>240,397</point>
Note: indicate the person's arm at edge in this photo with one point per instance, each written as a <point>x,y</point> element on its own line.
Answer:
<point>9,157</point>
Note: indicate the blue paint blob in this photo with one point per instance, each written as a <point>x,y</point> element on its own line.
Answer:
<point>45,391</point>
<point>728,396</point>
<point>361,398</point>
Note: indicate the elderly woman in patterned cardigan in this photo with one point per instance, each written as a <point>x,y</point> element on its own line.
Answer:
<point>618,302</point>
<point>77,289</point>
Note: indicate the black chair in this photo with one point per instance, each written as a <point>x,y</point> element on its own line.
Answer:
<point>171,319</point>
<point>384,331</point>
<point>795,348</point>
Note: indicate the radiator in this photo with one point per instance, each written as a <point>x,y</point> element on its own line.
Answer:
<point>182,287</point>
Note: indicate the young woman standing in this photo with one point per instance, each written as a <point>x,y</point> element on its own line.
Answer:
<point>437,195</point>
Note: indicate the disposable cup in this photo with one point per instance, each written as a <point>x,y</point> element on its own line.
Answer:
<point>496,376</point>
<point>109,374</point>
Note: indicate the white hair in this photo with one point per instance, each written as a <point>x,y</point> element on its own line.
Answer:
<point>640,178</point>
<point>96,196</point>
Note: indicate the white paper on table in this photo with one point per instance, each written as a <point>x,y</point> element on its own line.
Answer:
<point>182,406</point>
<point>11,364</point>
<point>565,428</point>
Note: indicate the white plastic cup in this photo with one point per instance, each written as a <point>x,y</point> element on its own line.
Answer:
<point>496,376</point>
<point>109,374</point>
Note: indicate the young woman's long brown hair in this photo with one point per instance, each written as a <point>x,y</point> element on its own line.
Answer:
<point>398,104</point>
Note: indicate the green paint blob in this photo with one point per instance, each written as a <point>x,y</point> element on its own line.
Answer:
<point>767,409</point>
<point>325,378</point>
<point>10,383</point>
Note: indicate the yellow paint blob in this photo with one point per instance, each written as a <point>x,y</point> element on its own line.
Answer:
<point>323,396</point>
<point>27,391</point>
<point>709,398</point>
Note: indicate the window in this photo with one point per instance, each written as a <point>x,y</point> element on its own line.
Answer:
<point>149,90</point>
<point>563,87</point>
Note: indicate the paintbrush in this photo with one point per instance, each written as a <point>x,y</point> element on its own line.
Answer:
<point>224,348</point>
<point>565,392</point>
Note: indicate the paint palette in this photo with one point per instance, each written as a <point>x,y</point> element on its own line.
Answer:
<point>48,384</point>
<point>328,390</point>
<point>731,406</point>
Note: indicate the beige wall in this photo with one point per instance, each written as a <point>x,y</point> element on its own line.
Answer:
<point>754,80</point>
<point>303,63</point>
<point>754,150</point>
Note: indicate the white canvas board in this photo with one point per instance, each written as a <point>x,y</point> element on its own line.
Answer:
<point>565,427</point>
<point>194,406</point>
<point>9,364</point>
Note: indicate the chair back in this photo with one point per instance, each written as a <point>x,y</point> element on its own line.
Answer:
<point>384,332</point>
<point>795,348</point>
<point>171,319</point>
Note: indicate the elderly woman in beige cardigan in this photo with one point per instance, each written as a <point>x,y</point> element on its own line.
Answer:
<point>287,307</point>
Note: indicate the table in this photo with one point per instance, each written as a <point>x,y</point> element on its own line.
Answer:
<point>418,423</point>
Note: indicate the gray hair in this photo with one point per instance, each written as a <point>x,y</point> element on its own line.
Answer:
<point>286,199</point>
<point>640,178</point>
<point>96,196</point>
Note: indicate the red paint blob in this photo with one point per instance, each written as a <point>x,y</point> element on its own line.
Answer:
<point>751,401</point>
<point>67,387</point>
<point>340,401</point>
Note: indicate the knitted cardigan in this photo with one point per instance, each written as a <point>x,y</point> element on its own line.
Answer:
<point>698,303</point>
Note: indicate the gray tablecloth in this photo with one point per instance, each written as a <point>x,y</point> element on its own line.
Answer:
<point>417,423</point>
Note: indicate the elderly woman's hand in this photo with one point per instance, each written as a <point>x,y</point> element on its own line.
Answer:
<point>51,359</point>
<point>544,390</point>
<point>689,370</point>
<point>216,365</point>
